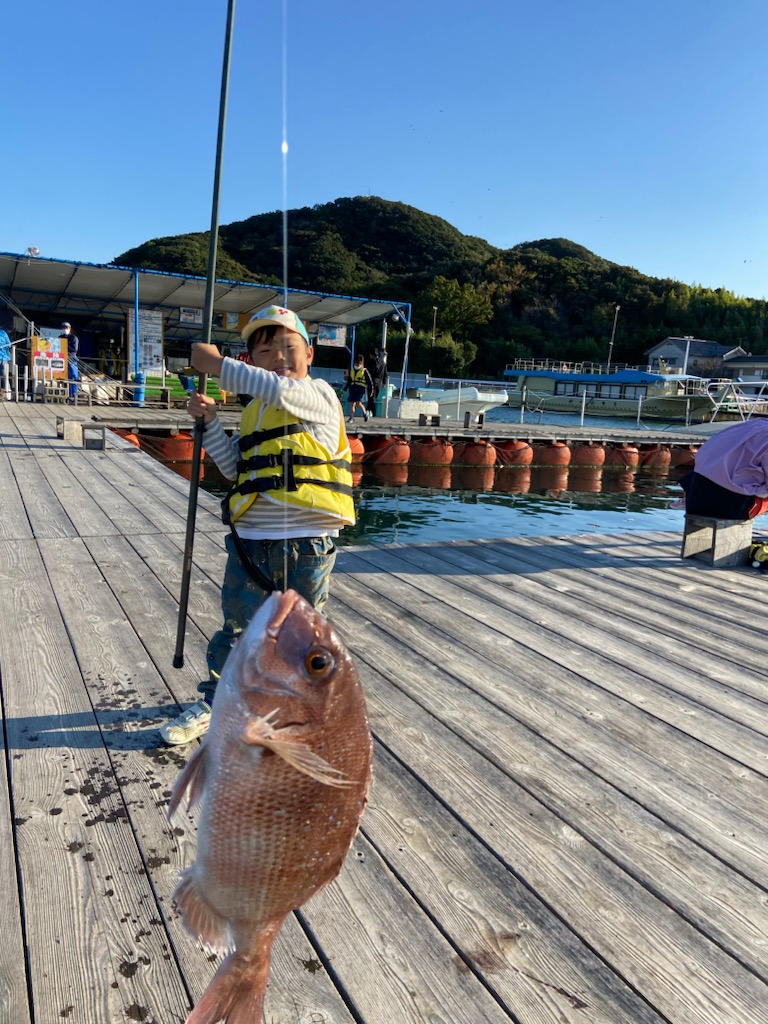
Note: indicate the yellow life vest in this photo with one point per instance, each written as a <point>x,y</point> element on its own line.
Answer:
<point>358,377</point>
<point>281,460</point>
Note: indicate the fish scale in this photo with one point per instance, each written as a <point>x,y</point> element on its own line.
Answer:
<point>282,777</point>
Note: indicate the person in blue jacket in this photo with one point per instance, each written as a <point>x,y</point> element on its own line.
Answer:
<point>73,345</point>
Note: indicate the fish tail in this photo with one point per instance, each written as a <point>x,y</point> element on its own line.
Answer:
<point>236,994</point>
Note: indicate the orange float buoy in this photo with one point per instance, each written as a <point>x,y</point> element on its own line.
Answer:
<point>514,453</point>
<point>684,456</point>
<point>656,457</point>
<point>585,479</point>
<point>587,453</point>
<point>473,478</point>
<point>127,435</point>
<point>390,473</point>
<point>551,453</point>
<point>513,479</point>
<point>474,453</point>
<point>431,451</point>
<point>433,477</point>
<point>357,448</point>
<point>623,456</point>
<point>388,451</point>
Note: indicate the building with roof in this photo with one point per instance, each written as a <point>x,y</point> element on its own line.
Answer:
<point>692,355</point>
<point>138,311</point>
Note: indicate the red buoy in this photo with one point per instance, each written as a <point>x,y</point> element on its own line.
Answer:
<point>551,453</point>
<point>474,453</point>
<point>388,451</point>
<point>357,448</point>
<point>127,435</point>
<point>514,453</point>
<point>623,456</point>
<point>684,456</point>
<point>656,457</point>
<point>587,453</point>
<point>431,451</point>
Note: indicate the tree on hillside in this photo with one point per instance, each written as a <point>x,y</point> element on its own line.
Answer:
<point>460,307</point>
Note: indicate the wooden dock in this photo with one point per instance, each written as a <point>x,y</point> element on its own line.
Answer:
<point>173,420</point>
<point>568,818</point>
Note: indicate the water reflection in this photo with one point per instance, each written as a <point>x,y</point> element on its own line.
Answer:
<point>428,503</point>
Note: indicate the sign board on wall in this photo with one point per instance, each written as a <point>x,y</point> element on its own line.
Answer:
<point>333,337</point>
<point>48,357</point>
<point>150,342</point>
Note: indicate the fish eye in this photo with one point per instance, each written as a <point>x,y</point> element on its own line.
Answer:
<point>318,662</point>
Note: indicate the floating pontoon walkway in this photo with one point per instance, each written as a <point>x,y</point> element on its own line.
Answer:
<point>568,820</point>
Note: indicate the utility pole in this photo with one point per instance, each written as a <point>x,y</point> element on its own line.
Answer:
<point>613,335</point>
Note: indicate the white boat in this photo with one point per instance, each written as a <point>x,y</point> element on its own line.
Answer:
<point>552,386</point>
<point>456,397</point>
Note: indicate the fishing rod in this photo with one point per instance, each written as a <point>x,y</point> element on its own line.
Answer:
<point>186,572</point>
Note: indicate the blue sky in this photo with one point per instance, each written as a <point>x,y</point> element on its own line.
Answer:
<point>635,128</point>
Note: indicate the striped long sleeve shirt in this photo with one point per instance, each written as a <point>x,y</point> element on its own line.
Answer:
<point>314,402</point>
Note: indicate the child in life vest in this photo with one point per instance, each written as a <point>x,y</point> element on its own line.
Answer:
<point>292,490</point>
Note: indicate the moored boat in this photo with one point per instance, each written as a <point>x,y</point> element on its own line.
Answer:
<point>456,397</point>
<point>551,386</point>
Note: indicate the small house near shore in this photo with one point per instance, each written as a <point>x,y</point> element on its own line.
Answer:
<point>692,355</point>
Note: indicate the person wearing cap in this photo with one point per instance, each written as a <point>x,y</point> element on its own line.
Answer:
<point>359,384</point>
<point>290,465</point>
<point>73,346</point>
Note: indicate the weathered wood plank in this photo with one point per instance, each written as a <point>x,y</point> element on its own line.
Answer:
<point>519,948</point>
<point>657,952</point>
<point>93,944</point>
<point>14,1003</point>
<point>14,522</point>
<point>679,779</point>
<point>130,698</point>
<point>45,512</point>
<point>596,806</point>
<point>682,678</point>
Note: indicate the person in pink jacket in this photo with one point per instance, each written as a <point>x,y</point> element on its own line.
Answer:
<point>730,476</point>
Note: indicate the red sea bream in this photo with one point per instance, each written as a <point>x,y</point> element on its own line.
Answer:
<point>282,778</point>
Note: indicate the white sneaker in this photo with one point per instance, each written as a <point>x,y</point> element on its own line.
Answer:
<point>365,416</point>
<point>188,726</point>
<point>351,419</point>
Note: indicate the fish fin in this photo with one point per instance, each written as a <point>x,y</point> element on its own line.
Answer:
<point>199,919</point>
<point>236,993</point>
<point>260,732</point>
<point>191,781</point>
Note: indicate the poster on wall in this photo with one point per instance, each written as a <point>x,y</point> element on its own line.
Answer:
<point>333,337</point>
<point>190,315</point>
<point>46,355</point>
<point>150,356</point>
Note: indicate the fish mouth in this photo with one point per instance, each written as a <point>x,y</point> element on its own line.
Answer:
<point>285,602</point>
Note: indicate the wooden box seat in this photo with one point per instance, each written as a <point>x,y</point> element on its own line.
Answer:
<point>718,542</point>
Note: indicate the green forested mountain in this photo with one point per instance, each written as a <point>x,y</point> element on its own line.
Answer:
<point>546,298</point>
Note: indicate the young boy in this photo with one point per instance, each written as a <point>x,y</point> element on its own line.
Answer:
<point>359,384</point>
<point>293,490</point>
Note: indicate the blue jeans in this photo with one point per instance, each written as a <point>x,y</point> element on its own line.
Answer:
<point>309,561</point>
<point>74,375</point>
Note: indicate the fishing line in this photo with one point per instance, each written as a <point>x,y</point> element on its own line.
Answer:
<point>284,151</point>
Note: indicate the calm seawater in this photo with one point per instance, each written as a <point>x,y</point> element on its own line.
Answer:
<point>411,504</point>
